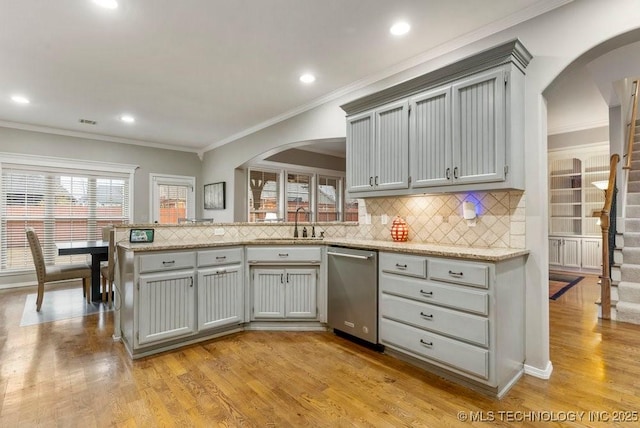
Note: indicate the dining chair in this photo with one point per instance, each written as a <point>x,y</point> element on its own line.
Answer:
<point>107,270</point>
<point>49,273</point>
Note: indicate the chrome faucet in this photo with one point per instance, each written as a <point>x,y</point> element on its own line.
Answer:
<point>295,230</point>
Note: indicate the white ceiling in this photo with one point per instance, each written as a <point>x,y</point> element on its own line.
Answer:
<point>199,73</point>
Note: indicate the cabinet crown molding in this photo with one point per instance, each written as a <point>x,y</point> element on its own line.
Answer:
<point>512,52</point>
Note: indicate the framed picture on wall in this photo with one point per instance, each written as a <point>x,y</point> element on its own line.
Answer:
<point>214,196</point>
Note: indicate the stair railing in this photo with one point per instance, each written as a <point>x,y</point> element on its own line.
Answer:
<point>608,227</point>
<point>632,124</point>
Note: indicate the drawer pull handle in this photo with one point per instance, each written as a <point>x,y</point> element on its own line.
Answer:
<point>456,274</point>
<point>426,315</point>
<point>283,254</point>
<point>281,278</point>
<point>399,266</point>
<point>168,263</point>
<point>427,293</point>
<point>221,257</point>
<point>220,272</point>
<point>426,343</point>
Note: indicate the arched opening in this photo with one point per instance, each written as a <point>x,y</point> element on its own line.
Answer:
<point>587,110</point>
<point>306,175</point>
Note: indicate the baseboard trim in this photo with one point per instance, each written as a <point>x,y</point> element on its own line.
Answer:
<point>536,372</point>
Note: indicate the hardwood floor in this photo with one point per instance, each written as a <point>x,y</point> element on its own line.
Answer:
<point>71,373</point>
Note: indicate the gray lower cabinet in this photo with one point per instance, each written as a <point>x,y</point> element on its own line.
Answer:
<point>166,306</point>
<point>220,288</point>
<point>284,293</point>
<point>463,319</point>
<point>172,297</point>
<point>166,297</point>
<point>284,282</point>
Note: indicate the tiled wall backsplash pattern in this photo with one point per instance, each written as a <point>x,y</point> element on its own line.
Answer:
<point>433,219</point>
<point>437,219</point>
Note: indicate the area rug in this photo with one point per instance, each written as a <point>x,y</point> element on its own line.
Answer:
<point>59,305</point>
<point>561,283</point>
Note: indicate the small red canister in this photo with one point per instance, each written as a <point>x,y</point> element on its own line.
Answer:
<point>399,230</point>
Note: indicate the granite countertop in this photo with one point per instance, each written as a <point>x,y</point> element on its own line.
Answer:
<point>469,253</point>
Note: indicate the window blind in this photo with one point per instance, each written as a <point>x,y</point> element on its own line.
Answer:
<point>61,204</point>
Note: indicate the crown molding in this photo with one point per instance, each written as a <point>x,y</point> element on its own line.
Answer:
<point>577,127</point>
<point>90,136</point>
<point>464,40</point>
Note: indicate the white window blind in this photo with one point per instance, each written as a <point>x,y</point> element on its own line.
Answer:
<point>173,202</point>
<point>61,204</point>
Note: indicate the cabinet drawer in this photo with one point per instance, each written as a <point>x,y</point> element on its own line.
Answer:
<point>403,264</point>
<point>431,346</point>
<point>167,261</point>
<point>220,256</point>
<point>465,273</point>
<point>452,296</point>
<point>283,255</point>
<point>456,324</point>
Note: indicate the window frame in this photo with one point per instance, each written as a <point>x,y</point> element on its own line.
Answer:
<point>93,170</point>
<point>156,179</point>
<point>283,170</point>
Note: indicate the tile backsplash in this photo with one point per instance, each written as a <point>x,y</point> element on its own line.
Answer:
<point>432,219</point>
<point>437,219</point>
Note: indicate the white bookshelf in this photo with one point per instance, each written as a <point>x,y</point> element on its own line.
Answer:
<point>574,207</point>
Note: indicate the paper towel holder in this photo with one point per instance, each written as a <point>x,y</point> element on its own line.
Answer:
<point>468,210</point>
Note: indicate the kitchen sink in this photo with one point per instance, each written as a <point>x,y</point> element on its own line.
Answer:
<point>289,239</point>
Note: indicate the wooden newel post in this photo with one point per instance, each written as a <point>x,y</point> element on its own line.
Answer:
<point>605,282</point>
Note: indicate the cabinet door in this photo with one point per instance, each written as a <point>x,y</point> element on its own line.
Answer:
<point>300,293</point>
<point>479,113</point>
<point>555,251</point>
<point>360,152</point>
<point>430,138</point>
<point>268,293</point>
<point>392,146</point>
<point>591,253</point>
<point>220,296</point>
<point>166,306</point>
<point>571,252</point>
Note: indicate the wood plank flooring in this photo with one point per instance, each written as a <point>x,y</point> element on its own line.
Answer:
<point>70,373</point>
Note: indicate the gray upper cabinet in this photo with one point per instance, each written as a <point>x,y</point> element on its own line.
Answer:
<point>479,128</point>
<point>392,146</point>
<point>459,128</point>
<point>378,149</point>
<point>360,152</point>
<point>430,138</point>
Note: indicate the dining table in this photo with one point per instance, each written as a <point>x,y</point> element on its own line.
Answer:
<point>99,251</point>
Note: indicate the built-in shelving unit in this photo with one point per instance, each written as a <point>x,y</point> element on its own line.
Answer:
<point>565,189</point>
<point>574,207</point>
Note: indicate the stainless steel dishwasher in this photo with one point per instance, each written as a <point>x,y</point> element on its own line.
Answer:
<point>353,292</point>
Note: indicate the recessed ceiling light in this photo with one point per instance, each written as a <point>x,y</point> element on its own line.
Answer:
<point>307,78</point>
<point>20,99</point>
<point>127,118</point>
<point>107,4</point>
<point>400,28</point>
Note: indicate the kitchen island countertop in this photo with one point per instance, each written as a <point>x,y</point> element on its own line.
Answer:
<point>469,253</point>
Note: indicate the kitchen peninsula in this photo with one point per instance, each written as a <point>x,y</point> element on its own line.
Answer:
<point>198,285</point>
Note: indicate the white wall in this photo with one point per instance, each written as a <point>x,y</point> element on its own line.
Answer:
<point>555,40</point>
